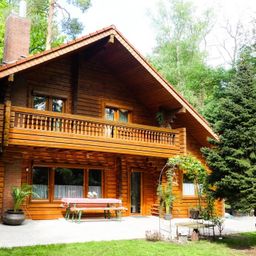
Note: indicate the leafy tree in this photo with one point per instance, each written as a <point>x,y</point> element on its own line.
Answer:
<point>178,55</point>
<point>38,12</point>
<point>4,10</point>
<point>232,158</point>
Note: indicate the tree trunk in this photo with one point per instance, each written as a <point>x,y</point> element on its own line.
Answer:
<point>49,25</point>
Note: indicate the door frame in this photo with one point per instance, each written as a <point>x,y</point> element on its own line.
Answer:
<point>141,191</point>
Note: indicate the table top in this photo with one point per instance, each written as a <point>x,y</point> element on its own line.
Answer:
<point>194,225</point>
<point>91,200</point>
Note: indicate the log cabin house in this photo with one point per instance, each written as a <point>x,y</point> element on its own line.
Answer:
<point>82,117</point>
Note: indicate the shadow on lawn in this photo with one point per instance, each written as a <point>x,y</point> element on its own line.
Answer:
<point>243,241</point>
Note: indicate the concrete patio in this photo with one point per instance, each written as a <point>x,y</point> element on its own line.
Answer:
<point>62,231</point>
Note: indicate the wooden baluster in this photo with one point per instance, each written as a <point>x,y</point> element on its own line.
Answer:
<point>116,132</point>
<point>96,130</point>
<point>23,121</point>
<point>33,122</point>
<point>64,125</point>
<point>136,135</point>
<point>40,123</point>
<point>18,116</point>
<point>27,121</point>
<point>49,124</point>
<point>86,128</point>
<point>81,127</point>
<point>76,126</point>
<point>100,130</point>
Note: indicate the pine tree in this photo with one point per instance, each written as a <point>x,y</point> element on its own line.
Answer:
<point>232,158</point>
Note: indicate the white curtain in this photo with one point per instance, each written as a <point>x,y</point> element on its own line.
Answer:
<point>188,189</point>
<point>40,190</point>
<point>96,189</point>
<point>61,191</point>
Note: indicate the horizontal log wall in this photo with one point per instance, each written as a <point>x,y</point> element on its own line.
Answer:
<point>1,187</point>
<point>1,124</point>
<point>98,86</point>
<point>150,168</point>
<point>95,85</point>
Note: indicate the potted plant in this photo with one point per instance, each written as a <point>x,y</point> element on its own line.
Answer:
<point>16,215</point>
<point>194,212</point>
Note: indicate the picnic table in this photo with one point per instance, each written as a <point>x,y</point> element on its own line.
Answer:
<point>195,226</point>
<point>76,206</point>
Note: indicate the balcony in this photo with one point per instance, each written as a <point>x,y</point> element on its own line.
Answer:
<point>30,127</point>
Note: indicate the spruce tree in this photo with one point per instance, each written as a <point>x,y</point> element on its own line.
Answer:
<point>232,158</point>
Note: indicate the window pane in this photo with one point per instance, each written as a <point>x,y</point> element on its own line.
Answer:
<point>109,114</point>
<point>123,115</point>
<point>57,105</point>
<point>40,102</point>
<point>188,186</point>
<point>68,183</point>
<point>40,182</point>
<point>95,182</point>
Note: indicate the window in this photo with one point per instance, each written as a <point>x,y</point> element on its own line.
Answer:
<point>117,114</point>
<point>49,103</point>
<point>40,181</point>
<point>68,183</point>
<point>188,186</point>
<point>95,182</point>
<point>54,183</point>
<point>40,102</point>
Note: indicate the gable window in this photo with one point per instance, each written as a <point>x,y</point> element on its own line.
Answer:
<point>49,103</point>
<point>117,114</point>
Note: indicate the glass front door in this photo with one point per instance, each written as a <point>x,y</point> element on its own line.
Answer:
<point>136,179</point>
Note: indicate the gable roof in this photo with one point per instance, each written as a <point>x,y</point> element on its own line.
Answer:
<point>87,40</point>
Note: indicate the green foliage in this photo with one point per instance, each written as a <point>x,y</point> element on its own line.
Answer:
<point>4,10</point>
<point>194,170</point>
<point>232,158</point>
<point>164,191</point>
<point>178,55</point>
<point>19,194</point>
<point>37,11</point>
<point>72,27</point>
<point>83,5</point>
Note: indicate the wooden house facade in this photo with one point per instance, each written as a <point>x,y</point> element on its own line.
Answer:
<point>82,118</point>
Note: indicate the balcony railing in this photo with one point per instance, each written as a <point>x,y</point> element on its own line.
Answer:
<point>46,122</point>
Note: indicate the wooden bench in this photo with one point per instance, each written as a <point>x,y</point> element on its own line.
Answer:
<point>76,206</point>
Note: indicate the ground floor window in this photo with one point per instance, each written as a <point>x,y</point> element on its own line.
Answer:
<point>54,183</point>
<point>68,183</point>
<point>188,186</point>
<point>95,182</point>
<point>40,182</point>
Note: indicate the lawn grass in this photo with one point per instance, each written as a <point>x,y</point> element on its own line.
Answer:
<point>231,246</point>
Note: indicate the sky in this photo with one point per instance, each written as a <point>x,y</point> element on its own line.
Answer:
<point>132,18</point>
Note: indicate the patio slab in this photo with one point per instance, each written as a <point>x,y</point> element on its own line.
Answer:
<point>35,232</point>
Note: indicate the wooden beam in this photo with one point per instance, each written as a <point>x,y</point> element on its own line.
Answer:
<point>111,39</point>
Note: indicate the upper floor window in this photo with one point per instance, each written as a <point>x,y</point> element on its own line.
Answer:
<point>48,103</point>
<point>117,114</point>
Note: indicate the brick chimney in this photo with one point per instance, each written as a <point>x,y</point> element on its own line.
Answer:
<point>17,36</point>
